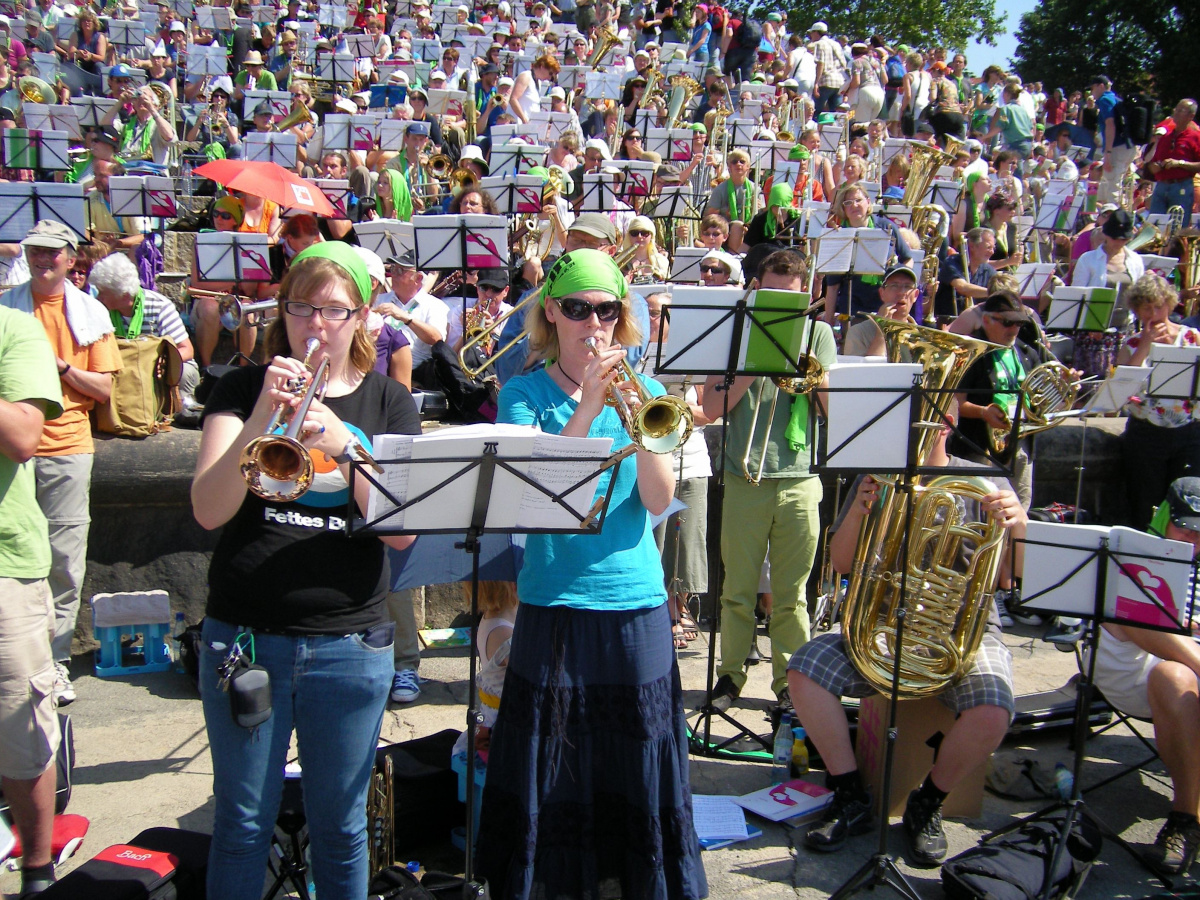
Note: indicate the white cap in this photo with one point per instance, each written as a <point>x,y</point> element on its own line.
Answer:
<point>819,26</point>
<point>346,106</point>
<point>178,26</point>
<point>464,9</point>
<point>374,264</point>
<point>504,82</point>
<point>471,151</point>
<point>728,261</point>
<point>557,93</point>
<point>222,83</point>
<point>597,144</point>
<point>398,77</point>
<point>436,75</point>
<point>364,96</point>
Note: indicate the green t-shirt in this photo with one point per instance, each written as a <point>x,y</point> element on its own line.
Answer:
<point>27,372</point>
<point>266,82</point>
<point>782,462</point>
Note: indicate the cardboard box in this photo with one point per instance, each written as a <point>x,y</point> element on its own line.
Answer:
<point>916,722</point>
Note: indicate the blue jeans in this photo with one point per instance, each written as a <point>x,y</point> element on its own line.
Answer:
<point>1174,193</point>
<point>333,690</point>
<point>828,99</point>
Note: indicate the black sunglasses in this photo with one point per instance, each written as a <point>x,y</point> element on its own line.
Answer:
<point>577,310</point>
<point>712,270</point>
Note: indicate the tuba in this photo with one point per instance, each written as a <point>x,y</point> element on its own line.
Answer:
<point>926,161</point>
<point>1048,392</point>
<point>1189,267</point>
<point>947,607</point>
<point>605,42</point>
<point>35,90</point>
<point>683,89</point>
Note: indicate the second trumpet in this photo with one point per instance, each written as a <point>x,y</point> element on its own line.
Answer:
<point>659,424</point>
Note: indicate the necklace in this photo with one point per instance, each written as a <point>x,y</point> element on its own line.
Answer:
<point>566,376</point>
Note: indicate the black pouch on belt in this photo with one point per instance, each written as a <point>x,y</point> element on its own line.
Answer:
<point>250,695</point>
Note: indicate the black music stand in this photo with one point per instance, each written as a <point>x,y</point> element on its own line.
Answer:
<point>1075,807</point>
<point>761,319</point>
<point>485,467</point>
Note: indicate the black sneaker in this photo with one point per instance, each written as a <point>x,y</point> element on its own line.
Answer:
<point>1016,608</point>
<point>1001,599</point>
<point>1063,635</point>
<point>923,827</point>
<point>723,694</point>
<point>846,816</point>
<point>1175,848</point>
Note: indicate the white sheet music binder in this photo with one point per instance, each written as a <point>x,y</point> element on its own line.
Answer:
<point>514,503</point>
<point>863,251</point>
<point>23,203</point>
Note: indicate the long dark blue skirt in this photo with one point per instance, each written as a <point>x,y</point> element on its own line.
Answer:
<point>587,793</point>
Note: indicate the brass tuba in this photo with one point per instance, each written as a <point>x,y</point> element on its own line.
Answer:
<point>34,90</point>
<point>926,161</point>
<point>1047,392</point>
<point>683,89</point>
<point>606,40</point>
<point>947,607</point>
<point>300,115</point>
<point>1189,267</point>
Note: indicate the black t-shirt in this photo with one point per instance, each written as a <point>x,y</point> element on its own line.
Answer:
<point>980,384</point>
<point>290,567</point>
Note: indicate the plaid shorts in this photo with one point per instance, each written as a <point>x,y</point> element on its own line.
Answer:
<point>989,683</point>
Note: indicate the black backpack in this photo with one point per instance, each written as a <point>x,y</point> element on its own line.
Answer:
<point>1137,115</point>
<point>749,35</point>
<point>1017,866</point>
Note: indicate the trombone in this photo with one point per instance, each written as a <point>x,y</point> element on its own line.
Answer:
<point>811,379</point>
<point>659,424</point>
<point>486,335</point>
<point>232,308</point>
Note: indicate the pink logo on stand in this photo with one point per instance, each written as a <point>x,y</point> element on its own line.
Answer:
<point>1139,607</point>
<point>302,195</point>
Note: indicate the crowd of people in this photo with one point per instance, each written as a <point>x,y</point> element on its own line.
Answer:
<point>673,155</point>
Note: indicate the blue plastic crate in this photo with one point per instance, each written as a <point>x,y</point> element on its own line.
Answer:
<point>458,763</point>
<point>150,655</point>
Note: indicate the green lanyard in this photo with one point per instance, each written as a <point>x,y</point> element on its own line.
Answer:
<point>135,321</point>
<point>1008,379</point>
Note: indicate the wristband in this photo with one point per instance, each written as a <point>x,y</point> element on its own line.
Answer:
<point>63,371</point>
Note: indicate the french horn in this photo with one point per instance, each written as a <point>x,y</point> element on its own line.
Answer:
<point>1048,392</point>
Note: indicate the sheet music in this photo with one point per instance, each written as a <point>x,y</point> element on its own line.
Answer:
<point>603,85</point>
<point>1080,308</point>
<point>685,265</point>
<point>142,195</point>
<point>1034,278</point>
<point>276,147</point>
<point>863,251</point>
<point>1054,550</point>
<point>1115,391</point>
<point>1155,566</point>
<point>41,117</point>
<point>598,193</point>
<point>386,237</point>
<point>718,818</point>
<point>701,336</point>
<point>16,211</point>
<point>389,447</point>
<point>1173,371</point>
<point>539,511</point>
<point>281,102</point>
<point>884,442</point>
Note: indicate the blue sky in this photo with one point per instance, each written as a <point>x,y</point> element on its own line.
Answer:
<point>980,56</point>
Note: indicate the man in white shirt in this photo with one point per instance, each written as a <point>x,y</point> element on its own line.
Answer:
<point>422,317</point>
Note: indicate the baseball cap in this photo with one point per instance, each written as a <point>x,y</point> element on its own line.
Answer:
<point>557,93</point>
<point>52,234</point>
<point>819,26</point>
<point>33,17</point>
<point>1184,499</point>
<point>406,260</point>
<point>597,144</point>
<point>505,82</point>
<point>597,225</point>
<point>490,69</point>
<point>418,91</point>
<point>900,270</point>
<point>1006,303</point>
<point>178,26</point>
<point>120,70</point>
<point>421,129</point>
<point>1107,208</point>
<point>263,109</point>
<point>497,278</point>
<point>374,264</point>
<point>437,75</point>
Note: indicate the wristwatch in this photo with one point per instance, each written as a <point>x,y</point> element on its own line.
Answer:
<point>351,451</point>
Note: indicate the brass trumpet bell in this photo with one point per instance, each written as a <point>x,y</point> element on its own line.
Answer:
<point>659,424</point>
<point>301,115</point>
<point>276,465</point>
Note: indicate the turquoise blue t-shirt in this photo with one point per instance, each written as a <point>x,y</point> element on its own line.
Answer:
<point>620,568</point>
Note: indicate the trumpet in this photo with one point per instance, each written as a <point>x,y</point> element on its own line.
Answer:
<point>234,312</point>
<point>276,465</point>
<point>659,424</point>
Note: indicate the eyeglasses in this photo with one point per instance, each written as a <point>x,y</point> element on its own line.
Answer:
<point>712,270</point>
<point>639,234</point>
<point>1008,323</point>
<point>578,310</point>
<point>491,288</point>
<point>328,313</point>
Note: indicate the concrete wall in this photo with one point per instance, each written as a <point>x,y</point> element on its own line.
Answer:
<point>143,534</point>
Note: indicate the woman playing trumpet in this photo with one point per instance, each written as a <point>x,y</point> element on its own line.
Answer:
<point>307,600</point>
<point>607,809</point>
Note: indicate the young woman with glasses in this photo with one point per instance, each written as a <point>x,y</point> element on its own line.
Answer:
<point>607,809</point>
<point>649,263</point>
<point>287,584</point>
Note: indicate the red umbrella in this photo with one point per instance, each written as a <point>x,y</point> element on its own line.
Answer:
<point>270,181</point>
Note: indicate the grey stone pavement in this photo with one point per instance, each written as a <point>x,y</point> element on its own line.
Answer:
<point>143,760</point>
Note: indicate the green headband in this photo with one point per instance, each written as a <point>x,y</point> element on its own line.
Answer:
<point>583,270</point>
<point>797,153</point>
<point>346,257</point>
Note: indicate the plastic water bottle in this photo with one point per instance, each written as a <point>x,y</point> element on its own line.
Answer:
<point>1064,781</point>
<point>177,641</point>
<point>186,172</point>
<point>799,752</point>
<point>781,756</point>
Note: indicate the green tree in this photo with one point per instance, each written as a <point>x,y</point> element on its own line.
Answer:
<point>1144,46</point>
<point>921,23</point>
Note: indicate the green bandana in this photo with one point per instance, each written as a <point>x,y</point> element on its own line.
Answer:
<point>135,320</point>
<point>583,270</point>
<point>797,153</point>
<point>781,195</point>
<point>1009,375</point>
<point>402,206</point>
<point>346,257</point>
<point>135,145</point>
<point>796,432</point>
